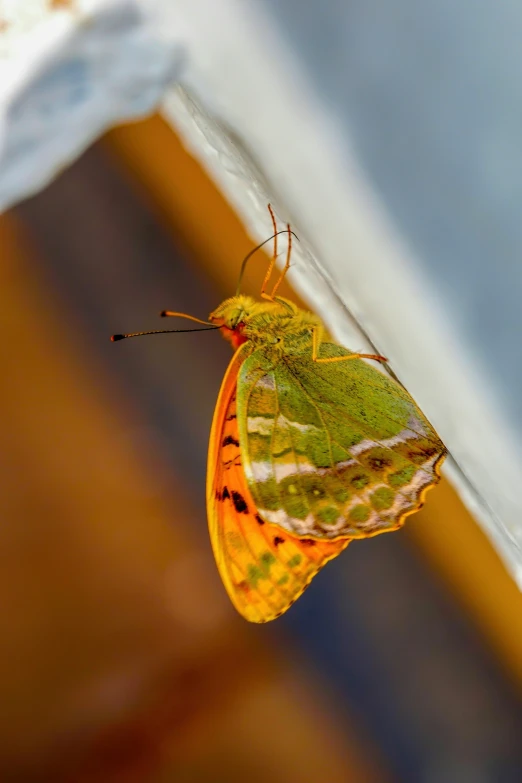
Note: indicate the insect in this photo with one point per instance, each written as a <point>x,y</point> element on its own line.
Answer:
<point>311,447</point>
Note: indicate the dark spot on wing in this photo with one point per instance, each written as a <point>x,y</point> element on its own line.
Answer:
<point>259,520</point>
<point>420,456</point>
<point>243,586</point>
<point>239,503</point>
<point>225,494</point>
<point>218,495</point>
<point>359,481</point>
<point>378,463</point>
<point>235,461</point>
<point>278,540</point>
<point>307,541</point>
<point>230,441</point>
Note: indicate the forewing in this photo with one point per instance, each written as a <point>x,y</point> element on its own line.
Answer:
<point>334,449</point>
<point>263,567</point>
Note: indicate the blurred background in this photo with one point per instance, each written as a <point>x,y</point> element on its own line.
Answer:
<point>122,658</point>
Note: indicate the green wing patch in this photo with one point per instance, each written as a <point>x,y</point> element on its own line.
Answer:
<point>331,450</point>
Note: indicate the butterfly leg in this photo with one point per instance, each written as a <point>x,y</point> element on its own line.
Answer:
<point>274,256</point>
<point>287,263</point>
<point>316,341</point>
<point>271,297</point>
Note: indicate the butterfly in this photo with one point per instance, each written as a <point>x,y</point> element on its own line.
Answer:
<point>310,448</point>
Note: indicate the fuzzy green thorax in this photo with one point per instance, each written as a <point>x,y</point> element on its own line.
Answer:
<point>244,319</point>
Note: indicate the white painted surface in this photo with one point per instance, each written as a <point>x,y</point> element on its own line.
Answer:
<point>68,75</point>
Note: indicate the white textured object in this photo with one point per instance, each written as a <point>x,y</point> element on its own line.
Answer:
<point>68,74</point>
<point>248,111</point>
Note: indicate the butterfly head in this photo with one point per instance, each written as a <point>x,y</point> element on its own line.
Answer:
<point>232,316</point>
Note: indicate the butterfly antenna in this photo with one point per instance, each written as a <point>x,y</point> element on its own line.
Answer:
<point>172,314</point>
<point>116,337</point>
<point>254,250</point>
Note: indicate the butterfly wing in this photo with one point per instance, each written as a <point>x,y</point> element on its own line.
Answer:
<point>333,449</point>
<point>264,568</point>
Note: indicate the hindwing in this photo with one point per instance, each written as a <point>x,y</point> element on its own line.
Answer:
<point>332,450</point>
